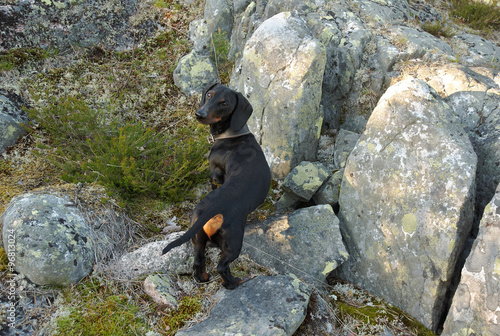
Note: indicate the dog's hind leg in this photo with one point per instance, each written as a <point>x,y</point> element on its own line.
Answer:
<point>230,251</point>
<point>199,244</point>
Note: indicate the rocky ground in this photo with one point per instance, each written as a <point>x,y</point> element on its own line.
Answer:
<point>132,77</point>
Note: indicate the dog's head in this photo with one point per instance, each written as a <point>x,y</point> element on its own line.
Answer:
<point>220,104</point>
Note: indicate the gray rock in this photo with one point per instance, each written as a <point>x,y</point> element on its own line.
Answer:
<point>305,179</point>
<point>344,144</point>
<point>281,74</point>
<point>148,259</point>
<point>219,15</point>
<point>325,152</point>
<point>240,5</point>
<point>450,79</point>
<point>53,244</point>
<point>306,242</point>
<point>194,72</point>
<point>261,306</point>
<point>161,289</point>
<point>475,306</point>
<point>274,7</point>
<point>408,187</point>
<point>416,44</point>
<point>320,319</point>
<point>386,56</point>
<point>355,123</point>
<point>384,12</point>
<point>425,13</point>
<point>288,202</point>
<point>10,131</point>
<point>12,104</point>
<point>11,119</point>
<point>200,36</point>
<point>345,48</point>
<point>474,96</point>
<point>66,23</point>
<point>479,112</point>
<point>245,24</point>
<point>479,50</point>
<point>330,190</point>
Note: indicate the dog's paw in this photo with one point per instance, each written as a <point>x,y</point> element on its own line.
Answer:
<point>202,277</point>
<point>233,284</point>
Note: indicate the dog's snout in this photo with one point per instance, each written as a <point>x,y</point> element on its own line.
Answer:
<point>200,115</point>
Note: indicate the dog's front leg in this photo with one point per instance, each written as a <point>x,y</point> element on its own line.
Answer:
<point>217,177</point>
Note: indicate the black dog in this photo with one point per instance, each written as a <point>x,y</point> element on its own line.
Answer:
<point>238,165</point>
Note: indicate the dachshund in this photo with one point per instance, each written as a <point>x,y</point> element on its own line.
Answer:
<point>240,179</point>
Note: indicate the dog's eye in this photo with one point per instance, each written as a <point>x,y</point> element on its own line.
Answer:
<point>224,103</point>
<point>209,95</point>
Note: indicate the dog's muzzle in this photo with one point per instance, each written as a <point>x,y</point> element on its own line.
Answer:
<point>200,115</point>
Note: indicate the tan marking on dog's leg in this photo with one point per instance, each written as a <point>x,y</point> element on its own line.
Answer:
<point>213,225</point>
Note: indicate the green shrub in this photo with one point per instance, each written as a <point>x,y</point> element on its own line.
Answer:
<point>438,29</point>
<point>220,55</point>
<point>126,157</point>
<point>478,15</point>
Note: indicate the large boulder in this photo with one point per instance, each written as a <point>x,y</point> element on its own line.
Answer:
<point>262,306</point>
<point>194,72</point>
<point>281,74</point>
<point>475,96</point>
<point>407,200</point>
<point>476,304</point>
<point>50,239</point>
<point>306,242</point>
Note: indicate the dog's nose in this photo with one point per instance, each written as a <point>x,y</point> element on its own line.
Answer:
<point>200,115</point>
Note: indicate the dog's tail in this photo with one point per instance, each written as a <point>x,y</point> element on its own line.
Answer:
<point>212,211</point>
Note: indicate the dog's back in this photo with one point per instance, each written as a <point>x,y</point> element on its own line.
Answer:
<point>245,170</point>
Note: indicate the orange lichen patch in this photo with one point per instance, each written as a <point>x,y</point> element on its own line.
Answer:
<point>213,225</point>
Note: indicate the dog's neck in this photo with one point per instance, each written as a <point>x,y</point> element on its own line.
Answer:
<point>228,134</point>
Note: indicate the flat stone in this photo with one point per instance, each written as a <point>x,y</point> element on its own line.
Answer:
<point>265,305</point>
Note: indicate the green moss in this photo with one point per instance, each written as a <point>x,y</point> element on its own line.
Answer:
<point>175,319</point>
<point>113,316</point>
<point>17,57</point>
<point>99,309</point>
<point>365,314</point>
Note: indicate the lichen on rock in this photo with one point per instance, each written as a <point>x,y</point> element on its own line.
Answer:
<point>52,243</point>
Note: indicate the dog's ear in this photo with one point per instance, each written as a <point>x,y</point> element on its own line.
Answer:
<point>241,113</point>
<point>205,90</point>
